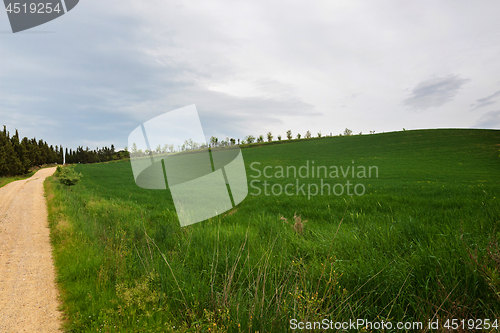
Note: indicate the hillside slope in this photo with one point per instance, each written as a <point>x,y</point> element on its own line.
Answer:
<point>401,251</point>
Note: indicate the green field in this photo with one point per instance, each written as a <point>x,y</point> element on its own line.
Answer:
<point>421,243</point>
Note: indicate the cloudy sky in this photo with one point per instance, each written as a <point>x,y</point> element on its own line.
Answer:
<point>93,75</point>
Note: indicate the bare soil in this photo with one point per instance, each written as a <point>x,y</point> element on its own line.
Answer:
<point>28,293</point>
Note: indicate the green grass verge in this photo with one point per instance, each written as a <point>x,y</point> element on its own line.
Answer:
<point>420,244</point>
<point>6,180</point>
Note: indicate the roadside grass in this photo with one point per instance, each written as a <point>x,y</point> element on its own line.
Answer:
<point>6,180</point>
<point>420,244</point>
<point>9,179</point>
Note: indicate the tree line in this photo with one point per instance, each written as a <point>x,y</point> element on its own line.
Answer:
<point>105,154</point>
<point>215,142</point>
<point>18,156</point>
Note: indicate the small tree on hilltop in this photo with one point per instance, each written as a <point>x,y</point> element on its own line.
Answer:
<point>347,132</point>
<point>213,141</point>
<point>279,137</point>
<point>319,134</point>
<point>289,134</point>
<point>269,136</point>
<point>261,138</point>
<point>298,135</point>
<point>308,135</point>
<point>250,139</point>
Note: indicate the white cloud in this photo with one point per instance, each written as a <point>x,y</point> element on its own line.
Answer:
<point>489,120</point>
<point>486,101</point>
<point>435,92</point>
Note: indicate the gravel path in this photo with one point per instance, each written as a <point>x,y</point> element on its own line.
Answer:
<point>28,294</point>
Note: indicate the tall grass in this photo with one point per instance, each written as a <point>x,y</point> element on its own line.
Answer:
<point>418,245</point>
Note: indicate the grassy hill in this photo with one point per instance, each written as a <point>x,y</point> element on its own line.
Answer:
<point>419,243</point>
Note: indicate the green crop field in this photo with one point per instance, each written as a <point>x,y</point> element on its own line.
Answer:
<point>416,240</point>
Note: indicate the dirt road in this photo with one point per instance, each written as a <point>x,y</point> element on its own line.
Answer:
<point>28,295</point>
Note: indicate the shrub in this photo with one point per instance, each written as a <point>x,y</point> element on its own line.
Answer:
<point>289,134</point>
<point>261,138</point>
<point>279,137</point>
<point>308,135</point>
<point>269,136</point>
<point>298,135</point>
<point>58,171</point>
<point>319,134</point>
<point>347,132</point>
<point>67,175</point>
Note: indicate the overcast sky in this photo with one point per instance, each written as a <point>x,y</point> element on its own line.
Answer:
<point>93,75</point>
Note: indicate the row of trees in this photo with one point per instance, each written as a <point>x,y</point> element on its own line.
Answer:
<point>105,154</point>
<point>187,145</point>
<point>18,156</point>
<point>215,142</point>
<point>289,136</point>
<point>168,148</point>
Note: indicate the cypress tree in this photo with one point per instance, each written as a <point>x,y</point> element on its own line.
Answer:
<point>48,153</point>
<point>18,165</point>
<point>3,155</point>
<point>26,146</point>
<point>33,152</point>
<point>61,155</point>
<point>10,162</point>
<point>40,157</point>
<point>52,154</point>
